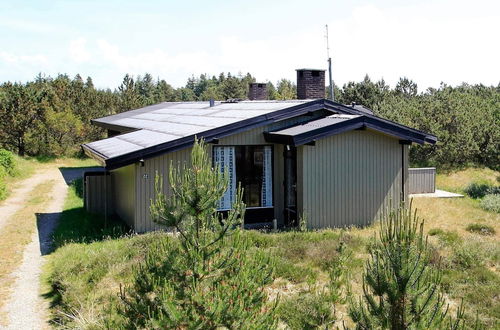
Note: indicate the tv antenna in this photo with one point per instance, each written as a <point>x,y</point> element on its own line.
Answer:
<point>329,64</point>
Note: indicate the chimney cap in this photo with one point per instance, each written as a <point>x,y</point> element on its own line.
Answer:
<point>306,69</point>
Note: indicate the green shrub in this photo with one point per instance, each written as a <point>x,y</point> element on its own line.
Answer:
<point>467,255</point>
<point>212,278</point>
<point>3,185</point>
<point>481,229</point>
<point>477,190</point>
<point>400,285</point>
<point>447,237</point>
<point>306,311</point>
<point>315,308</point>
<point>491,203</point>
<point>435,231</point>
<point>7,161</point>
<point>292,272</point>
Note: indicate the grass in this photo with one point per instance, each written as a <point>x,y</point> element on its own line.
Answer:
<point>16,234</point>
<point>481,229</point>
<point>27,166</point>
<point>457,181</point>
<point>83,279</point>
<point>77,226</point>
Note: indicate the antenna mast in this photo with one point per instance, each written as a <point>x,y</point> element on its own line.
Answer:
<point>329,64</point>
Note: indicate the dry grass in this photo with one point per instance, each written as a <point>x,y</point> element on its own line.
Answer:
<point>458,180</point>
<point>455,214</point>
<point>16,234</point>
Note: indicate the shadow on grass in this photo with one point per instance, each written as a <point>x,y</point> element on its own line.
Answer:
<point>78,226</point>
<point>75,224</point>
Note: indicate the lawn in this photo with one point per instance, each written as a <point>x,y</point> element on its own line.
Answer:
<point>83,278</point>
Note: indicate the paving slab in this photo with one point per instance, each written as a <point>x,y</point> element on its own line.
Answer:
<point>438,194</point>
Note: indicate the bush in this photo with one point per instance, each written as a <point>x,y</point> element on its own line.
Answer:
<point>468,256</point>
<point>491,203</point>
<point>7,162</point>
<point>481,229</point>
<point>315,308</point>
<point>210,279</point>
<point>477,190</point>
<point>400,285</point>
<point>3,185</point>
<point>447,237</point>
<point>306,311</point>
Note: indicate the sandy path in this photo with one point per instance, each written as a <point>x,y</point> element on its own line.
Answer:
<point>18,196</point>
<point>26,309</point>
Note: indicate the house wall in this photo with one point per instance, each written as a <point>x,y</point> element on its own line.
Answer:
<point>350,178</point>
<point>145,175</point>
<point>96,190</point>
<point>123,181</point>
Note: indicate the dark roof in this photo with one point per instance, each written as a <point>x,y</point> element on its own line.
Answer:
<point>361,108</point>
<point>335,124</point>
<point>170,126</point>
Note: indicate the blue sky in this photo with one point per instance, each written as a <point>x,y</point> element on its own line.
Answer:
<point>428,41</point>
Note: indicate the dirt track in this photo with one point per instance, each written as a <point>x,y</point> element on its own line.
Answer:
<point>25,308</point>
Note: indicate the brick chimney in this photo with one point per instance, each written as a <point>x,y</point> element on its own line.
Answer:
<point>257,91</point>
<point>310,84</point>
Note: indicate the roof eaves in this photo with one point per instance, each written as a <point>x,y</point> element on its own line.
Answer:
<point>423,136</point>
<point>94,154</point>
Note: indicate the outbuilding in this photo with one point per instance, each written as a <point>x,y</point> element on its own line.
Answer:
<point>334,164</point>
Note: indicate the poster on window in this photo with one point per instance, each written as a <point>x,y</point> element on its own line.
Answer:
<point>267,178</point>
<point>225,158</point>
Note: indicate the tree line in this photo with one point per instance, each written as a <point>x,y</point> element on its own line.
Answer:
<point>51,116</point>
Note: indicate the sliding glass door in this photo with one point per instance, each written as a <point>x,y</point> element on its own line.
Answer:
<point>252,167</point>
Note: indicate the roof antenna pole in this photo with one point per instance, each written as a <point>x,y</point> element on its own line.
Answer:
<point>332,95</point>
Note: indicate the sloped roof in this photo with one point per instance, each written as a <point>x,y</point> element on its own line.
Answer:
<point>335,124</point>
<point>170,126</point>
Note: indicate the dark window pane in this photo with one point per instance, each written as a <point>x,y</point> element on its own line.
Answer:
<point>249,171</point>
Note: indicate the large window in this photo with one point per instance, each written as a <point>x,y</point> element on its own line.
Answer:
<point>252,167</point>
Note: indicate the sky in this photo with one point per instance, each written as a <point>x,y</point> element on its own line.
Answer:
<point>427,41</point>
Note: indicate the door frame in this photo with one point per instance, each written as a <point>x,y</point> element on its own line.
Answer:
<point>290,213</point>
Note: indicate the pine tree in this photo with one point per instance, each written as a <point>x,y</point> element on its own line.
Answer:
<point>400,287</point>
<point>210,279</point>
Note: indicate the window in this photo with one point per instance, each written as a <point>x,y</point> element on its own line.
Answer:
<point>315,73</point>
<point>252,167</point>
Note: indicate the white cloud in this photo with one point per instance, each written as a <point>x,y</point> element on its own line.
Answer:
<point>155,61</point>
<point>78,50</point>
<point>429,42</point>
<point>10,58</point>
<point>422,43</point>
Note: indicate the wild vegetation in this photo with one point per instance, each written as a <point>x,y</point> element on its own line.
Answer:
<point>303,279</point>
<point>7,168</point>
<point>51,116</point>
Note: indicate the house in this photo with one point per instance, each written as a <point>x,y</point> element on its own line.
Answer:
<point>337,165</point>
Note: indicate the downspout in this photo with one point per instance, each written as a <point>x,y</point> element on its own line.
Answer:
<point>403,143</point>
<point>403,198</point>
<point>105,199</point>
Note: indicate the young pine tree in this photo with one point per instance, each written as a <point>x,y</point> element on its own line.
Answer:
<point>400,288</point>
<point>207,277</point>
